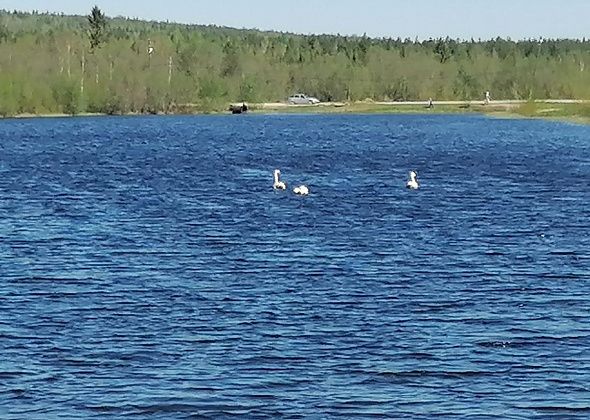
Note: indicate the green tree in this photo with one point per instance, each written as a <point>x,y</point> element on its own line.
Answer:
<point>444,48</point>
<point>67,96</point>
<point>9,102</point>
<point>97,28</point>
<point>4,33</point>
<point>231,60</point>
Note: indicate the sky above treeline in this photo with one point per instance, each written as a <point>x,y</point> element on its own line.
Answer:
<point>462,19</point>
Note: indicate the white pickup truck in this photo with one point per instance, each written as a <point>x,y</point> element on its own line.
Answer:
<point>300,99</point>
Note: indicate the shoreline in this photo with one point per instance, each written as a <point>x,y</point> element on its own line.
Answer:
<point>563,110</point>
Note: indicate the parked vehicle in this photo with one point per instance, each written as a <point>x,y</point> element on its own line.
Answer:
<point>300,99</point>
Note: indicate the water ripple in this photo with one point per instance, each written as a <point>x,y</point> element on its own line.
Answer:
<point>150,271</point>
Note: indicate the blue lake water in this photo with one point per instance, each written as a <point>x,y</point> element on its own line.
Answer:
<point>149,270</point>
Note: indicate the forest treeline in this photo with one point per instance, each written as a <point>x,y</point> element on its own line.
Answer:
<point>70,64</point>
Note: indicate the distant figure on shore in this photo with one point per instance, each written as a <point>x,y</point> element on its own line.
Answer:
<point>487,99</point>
<point>412,183</point>
<point>430,103</point>
<point>238,109</point>
<point>278,184</point>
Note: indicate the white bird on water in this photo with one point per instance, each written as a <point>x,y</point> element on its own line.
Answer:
<point>278,184</point>
<point>413,181</point>
<point>301,190</point>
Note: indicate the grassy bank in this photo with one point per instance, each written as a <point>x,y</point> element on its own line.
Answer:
<point>579,113</point>
<point>368,107</point>
<point>571,112</point>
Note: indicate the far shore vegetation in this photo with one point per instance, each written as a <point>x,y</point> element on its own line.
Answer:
<point>57,64</point>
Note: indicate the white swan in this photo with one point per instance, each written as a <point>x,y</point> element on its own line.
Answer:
<point>301,190</point>
<point>413,181</point>
<point>278,184</point>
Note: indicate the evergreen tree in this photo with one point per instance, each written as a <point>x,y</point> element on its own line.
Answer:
<point>97,28</point>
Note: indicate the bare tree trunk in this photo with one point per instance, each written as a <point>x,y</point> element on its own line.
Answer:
<point>83,71</point>
<point>69,61</point>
